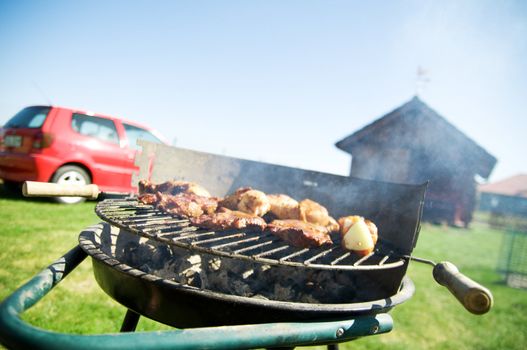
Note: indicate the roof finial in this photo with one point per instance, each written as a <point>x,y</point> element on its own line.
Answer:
<point>421,79</point>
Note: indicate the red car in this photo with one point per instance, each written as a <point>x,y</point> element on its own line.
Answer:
<point>63,145</point>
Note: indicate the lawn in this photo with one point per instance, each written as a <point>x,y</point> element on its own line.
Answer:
<point>33,233</point>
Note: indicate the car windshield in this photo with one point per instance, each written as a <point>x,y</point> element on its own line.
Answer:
<point>30,117</point>
<point>133,133</point>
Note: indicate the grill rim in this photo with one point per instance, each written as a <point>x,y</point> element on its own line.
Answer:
<point>135,205</point>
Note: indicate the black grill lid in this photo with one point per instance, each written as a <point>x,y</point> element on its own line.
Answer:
<point>395,208</point>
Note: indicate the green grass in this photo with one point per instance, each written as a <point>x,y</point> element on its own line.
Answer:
<point>33,233</point>
<point>434,319</point>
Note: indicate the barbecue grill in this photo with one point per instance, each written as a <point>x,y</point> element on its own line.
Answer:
<point>240,288</point>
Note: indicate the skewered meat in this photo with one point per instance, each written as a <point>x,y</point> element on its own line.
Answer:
<point>228,219</point>
<point>358,234</point>
<point>247,200</point>
<point>283,206</point>
<point>172,187</point>
<point>299,233</point>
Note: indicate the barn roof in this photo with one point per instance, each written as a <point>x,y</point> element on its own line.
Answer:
<point>515,186</point>
<point>416,123</point>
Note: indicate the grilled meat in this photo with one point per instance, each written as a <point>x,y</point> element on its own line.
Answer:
<point>311,211</point>
<point>172,187</point>
<point>304,224</point>
<point>299,233</point>
<point>180,198</point>
<point>254,202</point>
<point>247,200</point>
<point>224,219</point>
<point>181,205</point>
<point>231,201</point>
<point>186,204</point>
<point>147,198</point>
<point>283,207</point>
<point>333,225</point>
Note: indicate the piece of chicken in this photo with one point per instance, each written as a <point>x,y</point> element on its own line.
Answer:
<point>283,206</point>
<point>315,213</point>
<point>333,225</point>
<point>358,234</point>
<point>231,201</point>
<point>247,200</point>
<point>300,233</point>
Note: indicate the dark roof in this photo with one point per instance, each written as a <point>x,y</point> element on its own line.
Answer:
<point>416,123</point>
<point>515,186</point>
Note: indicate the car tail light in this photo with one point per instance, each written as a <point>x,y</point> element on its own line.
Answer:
<point>2,148</point>
<point>42,140</point>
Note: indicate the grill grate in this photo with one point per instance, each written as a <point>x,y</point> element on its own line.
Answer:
<point>146,221</point>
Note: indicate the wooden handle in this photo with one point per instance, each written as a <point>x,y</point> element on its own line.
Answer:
<point>46,189</point>
<point>474,297</point>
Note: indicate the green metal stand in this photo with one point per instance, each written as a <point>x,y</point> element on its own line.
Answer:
<point>17,334</point>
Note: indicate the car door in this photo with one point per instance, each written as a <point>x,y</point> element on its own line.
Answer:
<point>99,141</point>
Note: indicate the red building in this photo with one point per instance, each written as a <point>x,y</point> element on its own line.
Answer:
<point>414,144</point>
<point>507,197</point>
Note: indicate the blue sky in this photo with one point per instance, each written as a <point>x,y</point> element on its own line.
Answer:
<point>275,81</point>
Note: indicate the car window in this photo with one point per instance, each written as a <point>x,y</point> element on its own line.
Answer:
<point>133,133</point>
<point>100,128</point>
<point>30,117</point>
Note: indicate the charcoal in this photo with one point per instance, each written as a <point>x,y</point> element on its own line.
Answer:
<point>242,277</point>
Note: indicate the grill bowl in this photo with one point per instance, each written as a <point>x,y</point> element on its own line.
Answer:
<point>184,306</point>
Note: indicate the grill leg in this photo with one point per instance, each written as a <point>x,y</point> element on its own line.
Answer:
<point>130,321</point>
<point>333,347</point>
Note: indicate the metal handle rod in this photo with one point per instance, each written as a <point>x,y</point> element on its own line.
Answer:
<point>473,296</point>
<point>17,334</point>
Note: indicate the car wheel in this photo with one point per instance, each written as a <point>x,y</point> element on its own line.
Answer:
<point>71,175</point>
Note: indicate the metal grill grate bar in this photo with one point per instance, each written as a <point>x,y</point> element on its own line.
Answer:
<point>164,230</point>
<point>272,251</point>
<point>319,255</point>
<point>384,259</point>
<point>295,254</point>
<point>253,247</point>
<point>193,236</point>
<point>220,238</point>
<point>234,243</point>
<point>340,258</point>
<point>363,259</point>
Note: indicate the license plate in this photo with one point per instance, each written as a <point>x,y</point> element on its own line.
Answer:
<point>13,140</point>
